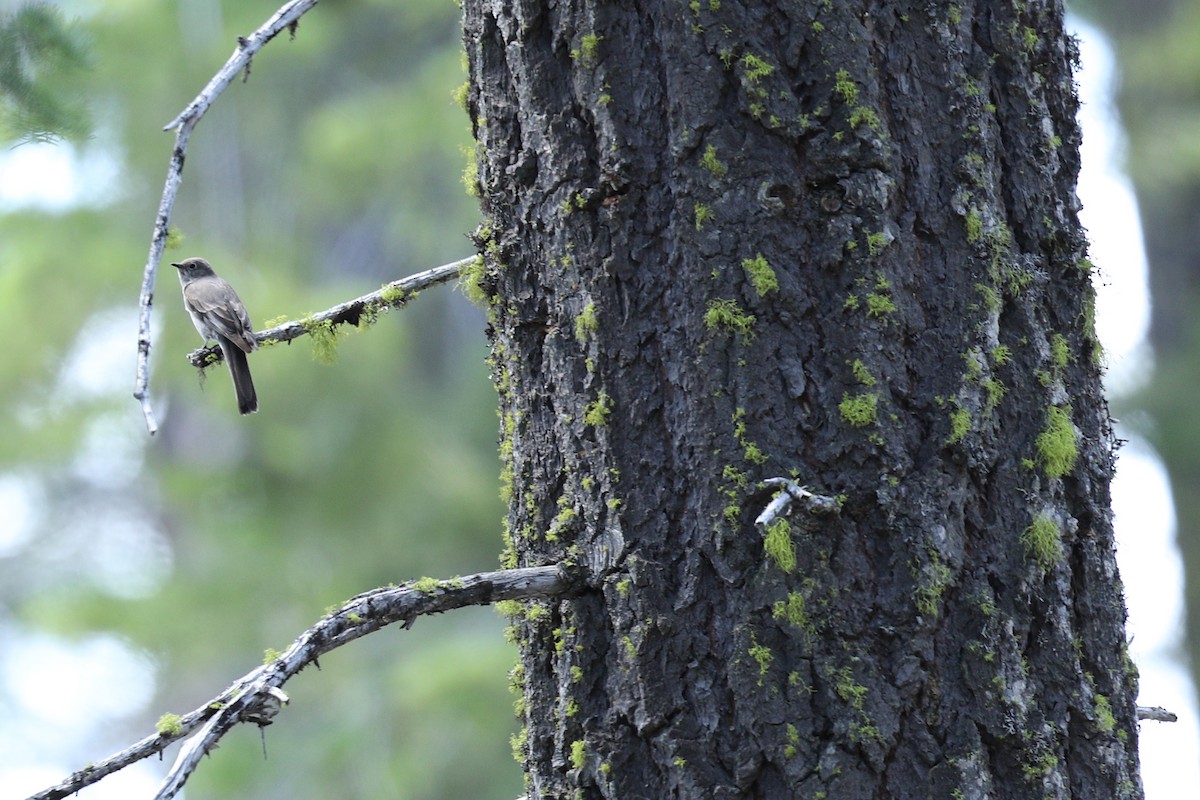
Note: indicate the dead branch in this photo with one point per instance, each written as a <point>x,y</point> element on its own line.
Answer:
<point>257,696</point>
<point>284,19</point>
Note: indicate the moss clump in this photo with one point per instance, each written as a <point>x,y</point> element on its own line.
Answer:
<point>960,425</point>
<point>1043,541</point>
<point>861,373</point>
<point>323,338</point>
<point>1105,721</point>
<point>586,323</point>
<point>1060,350</point>
<point>792,611</point>
<point>845,88</point>
<point>169,725</point>
<point>879,305</point>
<point>1057,444</point>
<point>703,215</point>
<point>729,315</point>
<point>778,545</point>
<point>589,46</point>
<point>755,68</point>
<point>859,410</point>
<point>470,282</point>
<point>974,226</point>
<point>762,277</point>
<point>711,163</point>
<point>763,656</point>
<point>596,412</point>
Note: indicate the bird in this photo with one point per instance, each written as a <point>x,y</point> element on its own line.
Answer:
<point>218,314</point>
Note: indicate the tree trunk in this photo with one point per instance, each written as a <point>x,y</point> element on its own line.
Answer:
<point>834,242</point>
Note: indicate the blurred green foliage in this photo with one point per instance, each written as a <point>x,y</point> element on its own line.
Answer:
<point>333,169</point>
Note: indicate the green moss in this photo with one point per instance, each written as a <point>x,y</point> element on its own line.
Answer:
<point>1057,444</point>
<point>729,315</point>
<point>703,215</point>
<point>324,340</point>
<point>859,410</point>
<point>861,373</point>
<point>1060,350</point>
<point>576,673</point>
<point>792,611</point>
<point>778,545</point>
<point>875,244</point>
<point>711,163</point>
<point>864,115</point>
<point>974,226</point>
<point>596,412</point>
<point>960,424</point>
<point>270,654</point>
<point>586,323</point>
<point>845,88</point>
<point>1105,721</point>
<point>755,68</point>
<point>425,585</point>
<point>1043,541</point>
<point>470,282</point>
<point>762,656</point>
<point>462,94</point>
<point>589,46</point>
<point>931,586</point>
<point>1001,355</point>
<point>879,305</point>
<point>762,277</point>
<point>851,302</point>
<point>995,391</point>
<point>169,725</point>
<point>470,175</point>
<point>517,743</point>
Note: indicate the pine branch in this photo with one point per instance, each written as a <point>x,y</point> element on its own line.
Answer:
<point>286,18</point>
<point>257,697</point>
<point>352,312</point>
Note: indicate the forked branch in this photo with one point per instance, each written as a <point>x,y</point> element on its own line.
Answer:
<point>257,696</point>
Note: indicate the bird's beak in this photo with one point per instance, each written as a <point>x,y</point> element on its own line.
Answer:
<point>176,264</point>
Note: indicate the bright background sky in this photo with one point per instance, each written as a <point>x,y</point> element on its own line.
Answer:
<point>101,679</point>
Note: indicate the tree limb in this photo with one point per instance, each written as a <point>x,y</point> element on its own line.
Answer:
<point>284,19</point>
<point>351,312</point>
<point>256,697</point>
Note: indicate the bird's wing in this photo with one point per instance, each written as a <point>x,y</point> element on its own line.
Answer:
<point>215,299</point>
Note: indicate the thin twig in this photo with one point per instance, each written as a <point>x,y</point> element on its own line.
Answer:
<point>351,312</point>
<point>257,696</point>
<point>283,19</point>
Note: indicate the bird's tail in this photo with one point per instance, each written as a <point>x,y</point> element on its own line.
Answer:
<point>243,384</point>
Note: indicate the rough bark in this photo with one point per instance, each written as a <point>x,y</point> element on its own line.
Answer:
<point>834,241</point>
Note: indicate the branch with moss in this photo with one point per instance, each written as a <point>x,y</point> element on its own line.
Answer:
<point>285,19</point>
<point>359,311</point>
<point>257,696</point>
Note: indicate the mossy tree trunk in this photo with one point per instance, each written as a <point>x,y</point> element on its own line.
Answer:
<point>829,241</point>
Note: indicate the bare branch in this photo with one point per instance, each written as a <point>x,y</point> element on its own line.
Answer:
<point>1156,713</point>
<point>257,696</point>
<point>283,19</point>
<point>351,312</point>
<point>817,503</point>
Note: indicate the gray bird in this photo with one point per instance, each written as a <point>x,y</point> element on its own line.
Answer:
<point>218,314</point>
